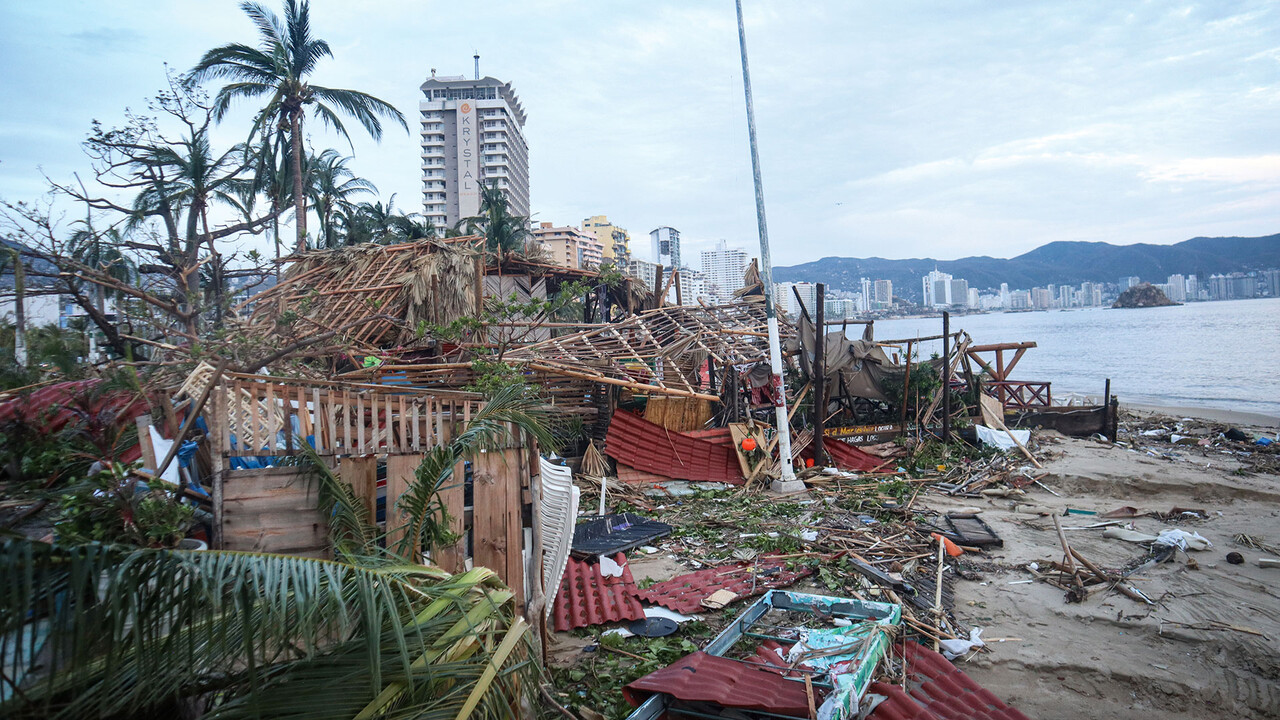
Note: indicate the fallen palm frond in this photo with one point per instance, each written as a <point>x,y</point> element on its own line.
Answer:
<point>108,632</point>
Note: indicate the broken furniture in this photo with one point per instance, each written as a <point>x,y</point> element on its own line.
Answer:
<point>835,646</point>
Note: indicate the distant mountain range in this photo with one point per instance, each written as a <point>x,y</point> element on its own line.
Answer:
<point>1062,263</point>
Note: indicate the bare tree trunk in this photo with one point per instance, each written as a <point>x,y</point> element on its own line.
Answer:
<point>19,311</point>
<point>299,200</point>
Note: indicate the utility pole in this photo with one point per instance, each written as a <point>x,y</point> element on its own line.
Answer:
<point>788,482</point>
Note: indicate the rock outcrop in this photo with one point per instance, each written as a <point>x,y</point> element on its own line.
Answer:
<point>1143,296</point>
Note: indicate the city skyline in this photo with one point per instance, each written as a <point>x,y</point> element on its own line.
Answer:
<point>988,162</point>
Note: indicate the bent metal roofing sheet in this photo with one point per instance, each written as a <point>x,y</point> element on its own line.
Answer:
<point>937,690</point>
<point>685,593</point>
<point>699,677</point>
<point>643,445</point>
<point>588,598</point>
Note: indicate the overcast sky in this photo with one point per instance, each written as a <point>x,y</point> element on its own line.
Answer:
<point>899,129</point>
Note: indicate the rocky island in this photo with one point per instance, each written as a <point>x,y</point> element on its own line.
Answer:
<point>1143,296</point>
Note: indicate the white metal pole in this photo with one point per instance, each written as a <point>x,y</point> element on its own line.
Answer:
<point>788,480</point>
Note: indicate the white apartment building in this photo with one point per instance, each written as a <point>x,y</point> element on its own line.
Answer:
<point>472,133</point>
<point>784,297</point>
<point>937,289</point>
<point>665,246</point>
<point>724,268</point>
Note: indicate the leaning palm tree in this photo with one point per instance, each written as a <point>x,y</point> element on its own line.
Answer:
<point>280,69</point>
<point>331,187</point>
<point>112,632</point>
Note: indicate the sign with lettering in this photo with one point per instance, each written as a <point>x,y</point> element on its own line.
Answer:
<point>864,434</point>
<point>468,161</point>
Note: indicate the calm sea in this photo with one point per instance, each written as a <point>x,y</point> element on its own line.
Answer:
<point>1209,354</point>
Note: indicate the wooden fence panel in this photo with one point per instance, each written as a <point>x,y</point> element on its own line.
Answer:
<point>273,510</point>
<point>400,474</point>
<point>499,537</point>
<point>362,474</point>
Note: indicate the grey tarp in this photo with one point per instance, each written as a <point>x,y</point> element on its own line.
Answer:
<point>865,368</point>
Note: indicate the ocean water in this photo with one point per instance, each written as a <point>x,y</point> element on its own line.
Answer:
<point>1210,354</point>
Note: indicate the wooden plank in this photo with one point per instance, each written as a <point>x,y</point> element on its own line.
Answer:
<point>217,463</point>
<point>453,497</point>
<point>270,406</point>
<point>317,422</point>
<point>143,423</point>
<point>401,470</point>
<point>361,473</point>
<point>413,429</point>
<point>359,417</point>
<point>497,544</point>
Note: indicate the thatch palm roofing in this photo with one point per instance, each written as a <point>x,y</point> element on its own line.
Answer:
<point>374,295</point>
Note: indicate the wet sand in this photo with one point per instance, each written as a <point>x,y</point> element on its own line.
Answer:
<point>1217,415</point>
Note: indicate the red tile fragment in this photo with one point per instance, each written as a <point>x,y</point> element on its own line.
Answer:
<point>685,593</point>
<point>700,677</point>
<point>587,598</point>
<point>937,690</point>
<point>640,444</point>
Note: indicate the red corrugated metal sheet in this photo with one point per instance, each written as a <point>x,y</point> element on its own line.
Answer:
<point>685,593</point>
<point>938,690</point>
<point>587,598</point>
<point>719,436</point>
<point>629,474</point>
<point>700,677</point>
<point>56,406</point>
<point>634,441</point>
<point>849,457</point>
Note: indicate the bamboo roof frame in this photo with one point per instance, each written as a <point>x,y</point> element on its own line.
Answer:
<point>660,350</point>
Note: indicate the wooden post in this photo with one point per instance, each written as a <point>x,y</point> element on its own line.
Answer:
<point>819,375</point>
<point>946,376</point>
<point>218,432</point>
<point>675,280</point>
<point>537,601</point>
<point>143,423</point>
<point>657,287</point>
<point>906,387</point>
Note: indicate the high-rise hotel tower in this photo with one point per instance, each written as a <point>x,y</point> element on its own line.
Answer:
<point>472,132</point>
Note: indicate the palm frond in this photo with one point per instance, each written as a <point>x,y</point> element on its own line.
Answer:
<point>362,106</point>
<point>108,632</point>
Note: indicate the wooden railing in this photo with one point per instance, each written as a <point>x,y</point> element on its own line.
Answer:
<point>1020,395</point>
<point>265,416</point>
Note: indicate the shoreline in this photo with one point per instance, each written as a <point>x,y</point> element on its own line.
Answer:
<point>1217,415</point>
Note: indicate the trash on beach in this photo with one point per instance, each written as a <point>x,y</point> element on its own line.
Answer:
<point>1127,535</point>
<point>1183,540</point>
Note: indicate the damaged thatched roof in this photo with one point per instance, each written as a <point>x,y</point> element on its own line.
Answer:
<point>373,295</point>
<point>661,350</point>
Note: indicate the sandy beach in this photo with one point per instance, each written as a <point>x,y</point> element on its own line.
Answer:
<point>1208,645</point>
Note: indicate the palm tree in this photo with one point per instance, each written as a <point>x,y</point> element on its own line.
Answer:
<point>502,230</point>
<point>280,68</point>
<point>331,187</point>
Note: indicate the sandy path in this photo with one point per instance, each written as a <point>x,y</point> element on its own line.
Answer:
<point>1112,656</point>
